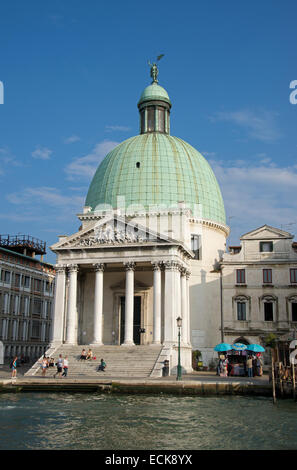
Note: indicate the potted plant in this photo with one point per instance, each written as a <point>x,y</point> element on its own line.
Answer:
<point>196,363</point>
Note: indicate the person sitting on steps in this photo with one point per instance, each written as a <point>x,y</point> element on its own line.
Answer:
<point>90,354</point>
<point>83,354</point>
<point>102,365</point>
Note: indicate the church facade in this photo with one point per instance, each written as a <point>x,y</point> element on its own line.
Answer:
<point>152,234</point>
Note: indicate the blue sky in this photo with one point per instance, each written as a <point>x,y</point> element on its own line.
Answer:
<point>74,71</point>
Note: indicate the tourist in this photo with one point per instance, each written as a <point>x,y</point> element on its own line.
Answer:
<point>51,362</point>
<point>83,354</point>
<point>14,365</point>
<point>59,365</point>
<point>65,366</point>
<point>44,365</point>
<point>102,365</point>
<point>225,367</point>
<point>90,354</point>
<point>249,364</point>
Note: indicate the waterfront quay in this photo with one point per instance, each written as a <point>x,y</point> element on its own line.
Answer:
<point>197,383</point>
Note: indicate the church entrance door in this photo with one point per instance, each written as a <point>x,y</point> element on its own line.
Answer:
<point>136,319</point>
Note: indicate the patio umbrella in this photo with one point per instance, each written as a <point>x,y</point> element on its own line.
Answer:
<point>239,346</point>
<point>255,348</point>
<point>223,347</point>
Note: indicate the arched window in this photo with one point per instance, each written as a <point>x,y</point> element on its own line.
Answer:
<point>292,304</point>
<point>241,305</point>
<point>242,340</point>
<point>269,307</point>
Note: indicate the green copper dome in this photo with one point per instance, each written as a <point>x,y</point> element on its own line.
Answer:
<point>157,169</point>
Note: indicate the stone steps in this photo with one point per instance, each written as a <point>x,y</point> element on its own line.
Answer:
<point>122,361</point>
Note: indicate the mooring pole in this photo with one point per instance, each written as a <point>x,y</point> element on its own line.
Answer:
<point>273,378</point>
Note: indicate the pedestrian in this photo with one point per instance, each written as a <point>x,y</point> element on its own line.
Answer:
<point>65,366</point>
<point>14,364</point>
<point>59,365</point>
<point>249,364</point>
<point>44,365</point>
<point>102,365</point>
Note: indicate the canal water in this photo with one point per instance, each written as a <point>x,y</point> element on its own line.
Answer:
<point>148,422</point>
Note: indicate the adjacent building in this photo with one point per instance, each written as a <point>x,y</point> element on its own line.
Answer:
<point>26,297</point>
<point>259,286</point>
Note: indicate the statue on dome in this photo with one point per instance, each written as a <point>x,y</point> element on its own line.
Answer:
<point>154,69</point>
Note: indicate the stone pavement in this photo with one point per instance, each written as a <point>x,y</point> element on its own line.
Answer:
<point>196,376</point>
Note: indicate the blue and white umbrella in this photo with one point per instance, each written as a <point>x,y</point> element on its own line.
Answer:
<point>223,347</point>
<point>255,348</point>
<point>239,346</point>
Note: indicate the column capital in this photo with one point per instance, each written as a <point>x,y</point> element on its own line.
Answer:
<point>157,265</point>
<point>72,268</point>
<point>129,266</point>
<point>60,269</point>
<point>99,267</point>
<point>172,265</point>
<point>188,274</point>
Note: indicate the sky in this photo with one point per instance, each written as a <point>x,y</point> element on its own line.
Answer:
<point>73,72</point>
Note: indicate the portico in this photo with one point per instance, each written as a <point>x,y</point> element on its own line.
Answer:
<point>121,292</point>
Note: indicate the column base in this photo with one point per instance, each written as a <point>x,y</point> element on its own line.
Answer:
<point>130,343</point>
<point>155,342</point>
<point>95,343</point>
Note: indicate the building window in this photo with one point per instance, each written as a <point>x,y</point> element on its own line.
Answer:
<point>240,276</point>
<point>293,275</point>
<point>294,311</point>
<point>267,276</point>
<point>37,307</point>
<point>27,281</point>
<point>268,311</point>
<point>196,246</point>
<point>151,119</point>
<point>241,311</point>
<point>266,247</point>
<point>5,277</point>
<point>35,329</point>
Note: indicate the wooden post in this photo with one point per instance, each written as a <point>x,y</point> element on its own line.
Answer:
<point>273,378</point>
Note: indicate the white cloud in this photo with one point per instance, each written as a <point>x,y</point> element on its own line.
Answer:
<point>72,139</point>
<point>117,128</point>
<point>85,167</point>
<point>260,125</point>
<point>45,195</point>
<point>258,194</point>
<point>42,153</point>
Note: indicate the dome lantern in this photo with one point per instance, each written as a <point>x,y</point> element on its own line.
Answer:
<point>154,107</point>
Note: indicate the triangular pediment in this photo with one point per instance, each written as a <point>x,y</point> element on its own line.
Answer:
<point>112,231</point>
<point>266,232</point>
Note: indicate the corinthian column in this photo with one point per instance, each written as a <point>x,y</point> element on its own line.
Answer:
<point>184,305</point>
<point>171,300</point>
<point>98,303</point>
<point>72,307</point>
<point>59,306</point>
<point>157,304</point>
<point>129,304</point>
<point>188,273</point>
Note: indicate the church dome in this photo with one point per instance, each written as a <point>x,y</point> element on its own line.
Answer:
<point>156,169</point>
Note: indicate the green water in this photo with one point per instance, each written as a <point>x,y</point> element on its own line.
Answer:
<point>159,422</point>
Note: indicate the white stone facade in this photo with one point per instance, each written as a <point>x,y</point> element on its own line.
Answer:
<point>118,275</point>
